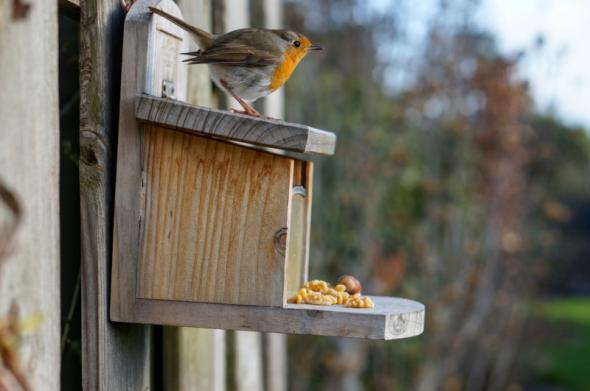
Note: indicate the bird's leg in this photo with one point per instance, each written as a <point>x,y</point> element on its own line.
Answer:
<point>248,109</point>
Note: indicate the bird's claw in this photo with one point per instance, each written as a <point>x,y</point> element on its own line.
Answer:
<point>251,113</point>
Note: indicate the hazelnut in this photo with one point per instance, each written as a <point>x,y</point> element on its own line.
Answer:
<point>352,284</point>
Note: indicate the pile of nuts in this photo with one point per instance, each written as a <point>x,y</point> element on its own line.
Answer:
<point>347,292</point>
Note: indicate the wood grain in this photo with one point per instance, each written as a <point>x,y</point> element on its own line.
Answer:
<point>299,226</point>
<point>114,356</point>
<point>212,215</point>
<point>270,12</point>
<point>147,62</point>
<point>29,167</point>
<point>247,347</point>
<point>148,45</point>
<point>184,347</point>
<point>236,127</point>
<point>392,318</point>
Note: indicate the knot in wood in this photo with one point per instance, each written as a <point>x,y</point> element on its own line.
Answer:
<point>88,156</point>
<point>280,241</point>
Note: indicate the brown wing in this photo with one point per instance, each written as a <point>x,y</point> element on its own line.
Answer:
<point>245,47</point>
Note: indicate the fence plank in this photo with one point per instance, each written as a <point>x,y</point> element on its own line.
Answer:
<point>114,356</point>
<point>194,359</point>
<point>275,344</point>
<point>29,166</point>
<point>248,345</point>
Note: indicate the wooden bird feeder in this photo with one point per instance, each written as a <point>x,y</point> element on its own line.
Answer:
<point>212,209</point>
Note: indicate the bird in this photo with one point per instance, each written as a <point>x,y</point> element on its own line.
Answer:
<point>248,63</point>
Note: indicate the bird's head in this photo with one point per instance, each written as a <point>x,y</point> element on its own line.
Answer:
<point>296,45</point>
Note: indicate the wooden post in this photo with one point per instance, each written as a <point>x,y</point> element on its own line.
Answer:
<point>194,359</point>
<point>275,344</point>
<point>29,161</point>
<point>272,12</point>
<point>114,356</point>
<point>248,345</point>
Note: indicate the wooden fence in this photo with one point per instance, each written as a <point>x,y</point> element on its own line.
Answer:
<point>29,169</point>
<point>114,356</point>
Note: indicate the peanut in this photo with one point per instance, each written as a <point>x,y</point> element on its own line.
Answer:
<point>318,292</point>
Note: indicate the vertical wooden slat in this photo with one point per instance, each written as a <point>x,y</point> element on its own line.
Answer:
<point>114,356</point>
<point>248,345</point>
<point>198,13</point>
<point>273,19</point>
<point>29,161</point>
<point>248,361</point>
<point>276,344</point>
<point>194,359</point>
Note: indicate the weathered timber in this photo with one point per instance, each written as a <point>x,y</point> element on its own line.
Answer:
<point>392,318</point>
<point>299,226</point>
<point>270,16</point>
<point>29,168</point>
<point>247,346</point>
<point>115,356</point>
<point>194,359</point>
<point>214,217</point>
<point>151,48</point>
<point>235,127</point>
<point>185,347</point>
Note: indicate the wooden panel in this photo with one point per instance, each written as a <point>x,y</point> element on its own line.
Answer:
<point>147,62</point>
<point>296,244</point>
<point>29,167</point>
<point>236,127</point>
<point>185,349</point>
<point>247,347</point>
<point>214,220</point>
<point>114,356</point>
<point>392,318</point>
<point>150,56</point>
<point>299,226</point>
<point>276,344</point>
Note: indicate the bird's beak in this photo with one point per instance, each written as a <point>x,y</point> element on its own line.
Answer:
<point>315,47</point>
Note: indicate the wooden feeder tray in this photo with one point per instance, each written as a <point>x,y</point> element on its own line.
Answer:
<point>213,209</point>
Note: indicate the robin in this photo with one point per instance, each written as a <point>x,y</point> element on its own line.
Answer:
<point>248,63</point>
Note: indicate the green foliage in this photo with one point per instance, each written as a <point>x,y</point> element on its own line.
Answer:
<point>562,359</point>
<point>559,155</point>
<point>575,311</point>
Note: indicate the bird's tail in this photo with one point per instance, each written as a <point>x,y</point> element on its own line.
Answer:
<point>202,37</point>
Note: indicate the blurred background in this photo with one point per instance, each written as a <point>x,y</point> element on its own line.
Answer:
<point>460,180</point>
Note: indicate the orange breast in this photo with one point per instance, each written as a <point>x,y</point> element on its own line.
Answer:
<point>283,72</point>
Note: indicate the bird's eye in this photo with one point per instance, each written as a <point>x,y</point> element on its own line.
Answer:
<point>296,44</point>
